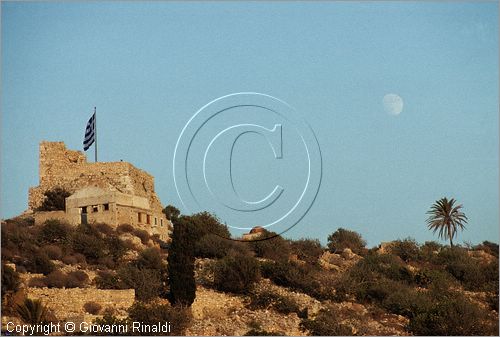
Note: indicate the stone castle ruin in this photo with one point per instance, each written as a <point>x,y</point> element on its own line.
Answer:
<point>111,192</point>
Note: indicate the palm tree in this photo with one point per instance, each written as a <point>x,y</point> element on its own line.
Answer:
<point>446,218</point>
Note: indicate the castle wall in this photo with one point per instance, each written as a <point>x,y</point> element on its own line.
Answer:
<point>60,167</point>
<point>118,191</point>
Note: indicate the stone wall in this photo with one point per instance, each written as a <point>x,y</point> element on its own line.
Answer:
<point>60,167</point>
<point>41,217</point>
<point>68,303</point>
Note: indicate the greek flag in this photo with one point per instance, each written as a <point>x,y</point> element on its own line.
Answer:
<point>89,133</point>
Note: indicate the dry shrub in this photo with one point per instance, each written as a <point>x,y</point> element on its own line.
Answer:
<point>344,238</point>
<point>80,258</point>
<point>92,308</point>
<point>70,259</point>
<point>38,282</point>
<point>107,262</point>
<point>75,259</point>
<point>129,244</point>
<point>56,279</point>
<point>179,317</point>
<point>326,323</point>
<point>108,280</point>
<point>293,275</point>
<point>39,263</point>
<point>125,228</point>
<point>55,231</point>
<point>104,228</point>
<point>10,279</point>
<point>76,279</point>
<point>143,235</point>
<point>308,250</point>
<point>268,299</point>
<point>236,274</point>
<point>53,252</point>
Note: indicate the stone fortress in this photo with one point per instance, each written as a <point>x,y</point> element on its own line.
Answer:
<point>111,192</point>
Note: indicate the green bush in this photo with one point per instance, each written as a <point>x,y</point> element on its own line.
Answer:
<point>171,212</point>
<point>433,278</point>
<point>377,290</point>
<point>382,265</point>
<point>115,248</point>
<point>343,238</point>
<point>179,317</point>
<point>407,249</point>
<point>150,258</point>
<point>55,200</point>
<point>39,263</point>
<point>146,282</point>
<point>55,232</point>
<point>407,302</point>
<point>326,323</point>
<point>293,275</point>
<point>212,246</point>
<point>271,300</point>
<point>453,315</point>
<point>205,223</point>
<point>89,242</point>
<point>429,250</point>
<point>489,247</point>
<point>308,250</point>
<point>236,274</point>
<point>16,237</point>
<point>472,274</point>
<point>271,246</point>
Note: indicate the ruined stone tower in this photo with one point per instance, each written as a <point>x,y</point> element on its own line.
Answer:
<point>111,192</point>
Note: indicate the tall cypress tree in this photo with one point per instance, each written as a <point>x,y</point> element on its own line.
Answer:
<point>181,263</point>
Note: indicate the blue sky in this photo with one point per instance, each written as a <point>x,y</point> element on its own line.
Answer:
<point>149,66</point>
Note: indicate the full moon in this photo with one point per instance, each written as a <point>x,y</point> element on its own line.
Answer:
<point>393,104</point>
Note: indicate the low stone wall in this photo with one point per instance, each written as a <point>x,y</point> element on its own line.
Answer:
<point>68,303</point>
<point>41,217</point>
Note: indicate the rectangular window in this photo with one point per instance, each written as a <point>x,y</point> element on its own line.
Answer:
<point>156,221</point>
<point>106,207</point>
<point>84,209</point>
<point>95,209</point>
<point>161,222</point>
<point>148,219</point>
<point>139,217</point>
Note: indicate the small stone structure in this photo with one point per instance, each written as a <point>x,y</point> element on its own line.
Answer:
<point>111,192</point>
<point>254,233</point>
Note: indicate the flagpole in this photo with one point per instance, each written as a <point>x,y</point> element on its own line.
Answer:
<point>95,133</point>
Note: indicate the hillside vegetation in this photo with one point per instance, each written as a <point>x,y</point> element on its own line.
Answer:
<point>268,287</point>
